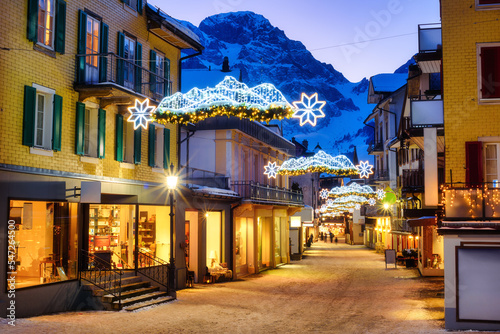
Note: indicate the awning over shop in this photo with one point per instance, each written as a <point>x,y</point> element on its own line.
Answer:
<point>422,221</point>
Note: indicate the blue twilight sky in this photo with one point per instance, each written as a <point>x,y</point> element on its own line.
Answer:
<point>360,38</point>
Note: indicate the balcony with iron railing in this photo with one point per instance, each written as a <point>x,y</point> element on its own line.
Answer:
<point>204,178</point>
<point>465,205</point>
<point>117,80</point>
<point>412,180</point>
<point>267,194</point>
<point>376,148</point>
<point>380,175</point>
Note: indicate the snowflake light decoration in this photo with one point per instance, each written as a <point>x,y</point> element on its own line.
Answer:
<point>323,194</point>
<point>372,201</point>
<point>364,169</point>
<point>380,193</point>
<point>140,114</point>
<point>308,109</point>
<point>271,169</point>
<point>357,206</point>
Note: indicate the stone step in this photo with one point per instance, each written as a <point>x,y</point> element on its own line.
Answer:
<point>151,302</point>
<point>125,280</point>
<point>138,299</point>
<point>131,293</point>
<point>124,288</point>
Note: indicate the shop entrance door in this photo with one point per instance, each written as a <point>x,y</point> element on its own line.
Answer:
<point>112,234</point>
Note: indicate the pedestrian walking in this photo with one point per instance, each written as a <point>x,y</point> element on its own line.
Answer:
<point>331,237</point>
<point>321,236</point>
<point>336,240</point>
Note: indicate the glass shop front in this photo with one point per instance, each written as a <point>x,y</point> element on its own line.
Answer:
<point>116,231</point>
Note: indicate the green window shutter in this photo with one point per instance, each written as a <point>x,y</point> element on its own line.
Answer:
<point>32,20</point>
<point>103,48</point>
<point>60,26</point>
<point>139,6</point>
<point>137,145</point>
<point>166,148</point>
<point>57,123</point>
<point>119,60</point>
<point>80,128</point>
<point>152,68</point>
<point>167,88</point>
<point>119,138</point>
<point>101,133</point>
<point>151,145</point>
<point>138,68</point>
<point>29,116</point>
<point>82,38</point>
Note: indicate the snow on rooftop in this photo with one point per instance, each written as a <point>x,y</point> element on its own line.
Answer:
<point>388,82</point>
<point>216,191</point>
<point>176,24</point>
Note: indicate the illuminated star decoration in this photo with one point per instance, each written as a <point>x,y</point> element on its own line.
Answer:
<point>380,193</point>
<point>140,114</point>
<point>308,109</point>
<point>271,169</point>
<point>364,169</point>
<point>372,201</point>
<point>323,193</point>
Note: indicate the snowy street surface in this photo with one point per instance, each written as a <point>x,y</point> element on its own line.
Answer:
<point>333,289</point>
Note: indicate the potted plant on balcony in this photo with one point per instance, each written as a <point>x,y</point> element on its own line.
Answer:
<point>410,256</point>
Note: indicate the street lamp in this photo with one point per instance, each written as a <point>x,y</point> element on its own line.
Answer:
<point>171,185</point>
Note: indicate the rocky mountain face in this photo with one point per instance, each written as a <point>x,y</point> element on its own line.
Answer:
<point>260,52</point>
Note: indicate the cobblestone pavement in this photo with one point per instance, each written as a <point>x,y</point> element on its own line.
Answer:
<point>335,288</point>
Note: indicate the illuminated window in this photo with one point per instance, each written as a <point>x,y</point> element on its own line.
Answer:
<point>92,47</point>
<point>46,14</point>
<point>489,72</point>
<point>45,238</point>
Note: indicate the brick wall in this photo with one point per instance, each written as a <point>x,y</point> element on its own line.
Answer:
<point>465,119</point>
<point>22,65</point>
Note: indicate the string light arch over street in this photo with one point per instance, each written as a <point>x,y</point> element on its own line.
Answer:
<point>320,162</point>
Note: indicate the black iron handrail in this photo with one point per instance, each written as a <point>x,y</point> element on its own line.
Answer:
<point>265,193</point>
<point>153,268</point>
<point>101,274</point>
<point>109,68</point>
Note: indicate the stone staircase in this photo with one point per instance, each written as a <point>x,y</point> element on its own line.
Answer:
<point>135,293</point>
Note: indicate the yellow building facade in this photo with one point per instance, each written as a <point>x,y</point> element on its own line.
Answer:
<point>78,181</point>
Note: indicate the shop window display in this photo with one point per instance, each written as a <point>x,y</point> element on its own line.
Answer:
<point>45,241</point>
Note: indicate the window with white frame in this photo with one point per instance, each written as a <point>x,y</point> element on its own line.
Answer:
<point>131,3</point>
<point>43,117</point>
<point>160,72</point>
<point>159,146</point>
<point>92,47</point>
<point>46,22</point>
<point>491,161</point>
<point>489,72</point>
<point>487,4</point>
<point>90,131</point>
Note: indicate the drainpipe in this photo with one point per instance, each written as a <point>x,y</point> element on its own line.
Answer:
<point>364,122</point>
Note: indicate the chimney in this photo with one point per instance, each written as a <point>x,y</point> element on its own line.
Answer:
<point>305,143</point>
<point>225,65</point>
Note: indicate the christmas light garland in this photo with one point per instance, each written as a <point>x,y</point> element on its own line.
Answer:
<point>320,162</point>
<point>228,98</point>
<point>353,189</point>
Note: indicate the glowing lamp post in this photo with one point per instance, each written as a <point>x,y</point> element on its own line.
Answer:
<point>171,185</point>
